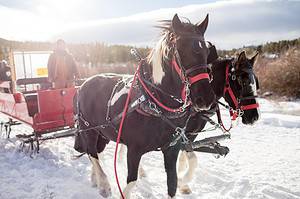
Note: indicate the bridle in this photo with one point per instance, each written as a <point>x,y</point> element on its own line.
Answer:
<point>186,78</point>
<point>186,75</point>
<point>238,108</point>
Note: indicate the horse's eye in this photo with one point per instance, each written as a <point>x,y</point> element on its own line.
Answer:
<point>200,45</point>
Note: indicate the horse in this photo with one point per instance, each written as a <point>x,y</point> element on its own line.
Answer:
<point>236,82</point>
<point>172,82</point>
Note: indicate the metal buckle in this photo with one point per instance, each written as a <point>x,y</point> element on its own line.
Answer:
<point>240,112</point>
<point>187,94</point>
<point>181,132</point>
<point>154,108</point>
<point>233,77</point>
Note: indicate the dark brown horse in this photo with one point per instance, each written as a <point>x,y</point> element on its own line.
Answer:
<point>176,75</point>
<point>244,84</point>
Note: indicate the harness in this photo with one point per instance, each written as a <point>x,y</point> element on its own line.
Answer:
<point>144,101</point>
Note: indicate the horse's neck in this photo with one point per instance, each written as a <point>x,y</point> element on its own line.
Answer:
<point>171,84</point>
<point>218,83</point>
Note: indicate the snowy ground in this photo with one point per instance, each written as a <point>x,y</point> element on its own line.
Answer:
<point>264,162</point>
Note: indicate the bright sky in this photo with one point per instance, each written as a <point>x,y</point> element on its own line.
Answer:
<point>232,23</point>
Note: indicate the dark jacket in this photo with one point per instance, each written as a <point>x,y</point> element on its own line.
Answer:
<point>5,72</point>
<point>61,65</point>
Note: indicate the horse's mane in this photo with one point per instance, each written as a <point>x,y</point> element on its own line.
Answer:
<point>161,53</point>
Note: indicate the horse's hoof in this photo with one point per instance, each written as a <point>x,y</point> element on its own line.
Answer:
<point>169,197</point>
<point>105,193</point>
<point>185,190</point>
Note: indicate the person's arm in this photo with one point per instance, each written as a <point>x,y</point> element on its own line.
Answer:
<point>74,67</point>
<point>51,67</point>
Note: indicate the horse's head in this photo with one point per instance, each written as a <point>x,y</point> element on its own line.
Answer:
<point>184,48</point>
<point>244,83</point>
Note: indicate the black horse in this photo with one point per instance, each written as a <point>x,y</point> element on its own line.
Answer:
<point>237,76</point>
<point>172,82</point>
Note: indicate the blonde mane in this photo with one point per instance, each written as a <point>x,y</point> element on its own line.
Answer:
<point>158,55</point>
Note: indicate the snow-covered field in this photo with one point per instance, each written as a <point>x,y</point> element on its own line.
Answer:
<point>264,162</point>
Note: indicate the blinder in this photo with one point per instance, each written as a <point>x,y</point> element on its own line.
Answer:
<point>213,55</point>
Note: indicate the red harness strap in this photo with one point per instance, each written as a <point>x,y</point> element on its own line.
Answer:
<point>198,77</point>
<point>155,99</point>
<point>191,80</point>
<point>250,106</point>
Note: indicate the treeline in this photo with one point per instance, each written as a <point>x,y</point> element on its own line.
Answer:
<point>270,47</point>
<point>91,54</point>
<point>99,54</point>
<point>280,76</point>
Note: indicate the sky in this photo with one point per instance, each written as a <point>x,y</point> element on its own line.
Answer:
<point>232,23</point>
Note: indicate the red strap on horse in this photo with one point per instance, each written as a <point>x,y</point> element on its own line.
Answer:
<point>177,68</point>
<point>121,128</point>
<point>221,122</point>
<point>232,96</point>
<point>250,106</point>
<point>155,99</point>
<point>198,77</point>
<point>228,89</point>
<point>191,80</point>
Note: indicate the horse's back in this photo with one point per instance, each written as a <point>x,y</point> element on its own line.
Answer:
<point>94,94</point>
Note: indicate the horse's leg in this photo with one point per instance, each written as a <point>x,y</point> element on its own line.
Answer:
<point>170,159</point>
<point>133,161</point>
<point>93,177</point>
<point>122,150</point>
<point>101,178</point>
<point>182,163</point>
<point>188,176</point>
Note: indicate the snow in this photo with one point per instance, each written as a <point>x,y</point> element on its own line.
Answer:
<point>264,162</point>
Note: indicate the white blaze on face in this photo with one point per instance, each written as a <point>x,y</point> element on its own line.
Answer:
<point>253,85</point>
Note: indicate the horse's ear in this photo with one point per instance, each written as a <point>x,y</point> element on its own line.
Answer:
<point>253,59</point>
<point>203,25</point>
<point>241,59</point>
<point>176,24</point>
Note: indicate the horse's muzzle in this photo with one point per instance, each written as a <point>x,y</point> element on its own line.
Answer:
<point>204,105</point>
